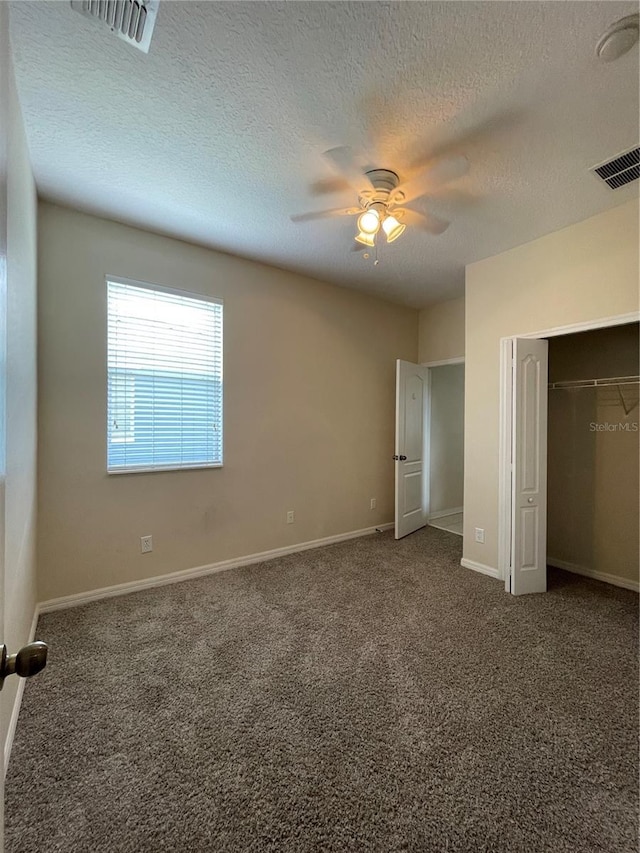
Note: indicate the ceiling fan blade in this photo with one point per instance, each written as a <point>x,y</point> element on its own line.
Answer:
<point>425,221</point>
<point>441,172</point>
<point>325,214</point>
<point>326,186</point>
<point>344,161</point>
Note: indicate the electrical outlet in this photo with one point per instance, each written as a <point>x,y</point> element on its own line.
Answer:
<point>291,517</point>
<point>146,544</point>
<point>373,503</point>
<point>480,535</point>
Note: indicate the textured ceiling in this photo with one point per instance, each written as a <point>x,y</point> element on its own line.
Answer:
<point>215,136</point>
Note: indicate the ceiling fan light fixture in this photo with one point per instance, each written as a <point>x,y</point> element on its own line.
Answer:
<point>366,239</point>
<point>369,222</point>
<point>392,228</point>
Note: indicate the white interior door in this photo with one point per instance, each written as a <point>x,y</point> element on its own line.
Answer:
<point>529,466</point>
<point>411,397</point>
<point>4,109</point>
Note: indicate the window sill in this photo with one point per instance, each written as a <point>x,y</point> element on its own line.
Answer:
<point>155,468</point>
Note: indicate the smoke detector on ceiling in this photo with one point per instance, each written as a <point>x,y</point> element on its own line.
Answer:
<point>130,20</point>
<point>618,39</point>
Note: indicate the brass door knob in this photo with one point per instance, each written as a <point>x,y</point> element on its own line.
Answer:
<point>28,661</point>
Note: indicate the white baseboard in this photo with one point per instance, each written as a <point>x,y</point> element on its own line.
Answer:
<point>200,571</point>
<point>480,567</point>
<point>15,711</point>
<point>615,580</point>
<point>442,512</point>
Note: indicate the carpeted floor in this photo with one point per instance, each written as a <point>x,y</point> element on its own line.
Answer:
<point>370,696</point>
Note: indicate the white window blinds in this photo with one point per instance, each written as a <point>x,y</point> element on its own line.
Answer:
<point>164,365</point>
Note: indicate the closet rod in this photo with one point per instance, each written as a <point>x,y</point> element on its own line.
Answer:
<point>589,383</point>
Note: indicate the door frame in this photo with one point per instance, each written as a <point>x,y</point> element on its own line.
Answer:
<point>506,437</point>
<point>426,435</point>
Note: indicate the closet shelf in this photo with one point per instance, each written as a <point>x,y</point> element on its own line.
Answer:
<point>590,383</point>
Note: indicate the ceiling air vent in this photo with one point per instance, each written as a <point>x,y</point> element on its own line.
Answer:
<point>621,170</point>
<point>130,20</point>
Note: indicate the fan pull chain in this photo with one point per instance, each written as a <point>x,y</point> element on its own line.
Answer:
<point>376,260</point>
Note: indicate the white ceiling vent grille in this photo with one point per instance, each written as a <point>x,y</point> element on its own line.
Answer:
<point>130,20</point>
<point>621,170</point>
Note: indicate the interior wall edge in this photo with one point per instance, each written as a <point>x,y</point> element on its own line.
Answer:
<point>482,568</point>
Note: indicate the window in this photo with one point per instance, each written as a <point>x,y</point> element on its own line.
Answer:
<point>164,388</point>
<point>122,411</point>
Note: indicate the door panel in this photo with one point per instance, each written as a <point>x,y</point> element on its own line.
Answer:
<point>529,470</point>
<point>414,416</point>
<point>411,397</point>
<point>529,538</point>
<point>413,491</point>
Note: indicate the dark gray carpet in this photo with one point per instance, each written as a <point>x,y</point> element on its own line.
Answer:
<point>369,696</point>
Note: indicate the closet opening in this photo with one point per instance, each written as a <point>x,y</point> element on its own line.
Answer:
<point>593,442</point>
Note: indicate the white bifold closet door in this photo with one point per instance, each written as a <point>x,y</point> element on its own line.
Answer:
<point>529,466</point>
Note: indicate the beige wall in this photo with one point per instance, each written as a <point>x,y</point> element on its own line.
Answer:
<point>20,496</point>
<point>583,273</point>
<point>309,411</point>
<point>441,334</point>
<point>446,437</point>
<point>616,523</point>
<point>593,474</point>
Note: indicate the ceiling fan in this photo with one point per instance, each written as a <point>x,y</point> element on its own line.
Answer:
<point>382,197</point>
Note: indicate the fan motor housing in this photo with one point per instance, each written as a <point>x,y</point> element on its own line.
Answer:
<point>384,182</point>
